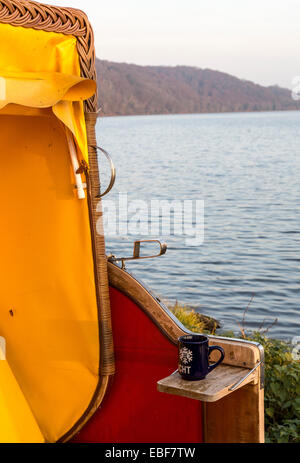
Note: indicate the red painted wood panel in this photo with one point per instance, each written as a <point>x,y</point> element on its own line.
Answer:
<point>133,410</point>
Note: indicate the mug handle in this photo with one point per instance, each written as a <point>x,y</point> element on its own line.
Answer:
<point>214,365</point>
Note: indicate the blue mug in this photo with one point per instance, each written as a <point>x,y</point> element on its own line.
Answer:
<point>193,357</point>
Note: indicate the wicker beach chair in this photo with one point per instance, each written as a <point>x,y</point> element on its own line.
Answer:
<point>60,342</point>
<point>37,38</point>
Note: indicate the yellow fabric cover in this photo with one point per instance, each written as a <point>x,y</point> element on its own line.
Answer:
<point>42,89</point>
<point>17,423</point>
<point>48,310</point>
<point>41,69</point>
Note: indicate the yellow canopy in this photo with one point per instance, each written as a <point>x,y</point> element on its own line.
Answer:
<point>40,70</point>
<point>48,309</point>
<point>17,421</point>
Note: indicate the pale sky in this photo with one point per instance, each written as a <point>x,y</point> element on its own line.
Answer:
<point>257,40</point>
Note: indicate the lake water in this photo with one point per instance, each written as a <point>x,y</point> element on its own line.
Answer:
<point>246,169</point>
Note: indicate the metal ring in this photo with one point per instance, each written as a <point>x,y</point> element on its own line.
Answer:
<point>112,170</point>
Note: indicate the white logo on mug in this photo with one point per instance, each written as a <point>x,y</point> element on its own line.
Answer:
<point>185,355</point>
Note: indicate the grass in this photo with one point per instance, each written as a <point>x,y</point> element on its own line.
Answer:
<point>194,321</point>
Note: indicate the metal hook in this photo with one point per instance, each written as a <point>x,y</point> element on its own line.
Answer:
<point>236,385</point>
<point>112,170</point>
<point>136,252</point>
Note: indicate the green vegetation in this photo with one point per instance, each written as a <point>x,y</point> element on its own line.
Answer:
<point>282,378</point>
<point>282,390</point>
<point>194,321</point>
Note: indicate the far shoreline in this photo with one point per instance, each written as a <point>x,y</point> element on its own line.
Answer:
<point>100,115</point>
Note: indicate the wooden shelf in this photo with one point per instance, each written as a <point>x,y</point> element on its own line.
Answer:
<point>215,386</point>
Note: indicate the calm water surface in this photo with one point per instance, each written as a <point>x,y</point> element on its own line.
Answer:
<point>246,168</point>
